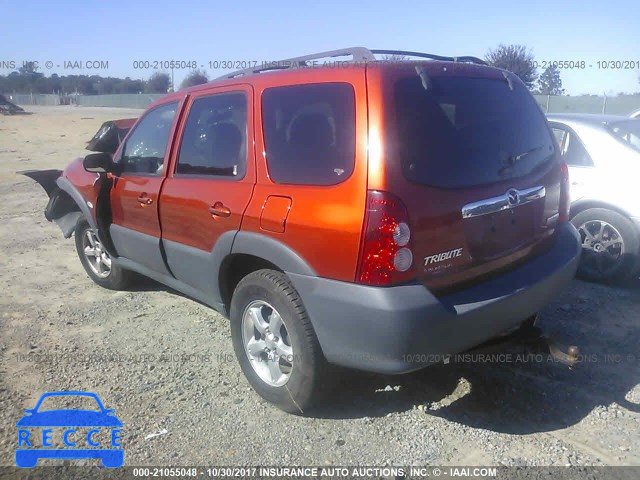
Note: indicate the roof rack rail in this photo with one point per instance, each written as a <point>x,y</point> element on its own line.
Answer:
<point>358,54</point>
<point>463,59</point>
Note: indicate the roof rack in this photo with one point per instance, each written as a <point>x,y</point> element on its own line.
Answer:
<point>463,59</point>
<point>357,54</point>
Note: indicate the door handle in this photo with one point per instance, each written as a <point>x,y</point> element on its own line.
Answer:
<point>145,200</point>
<point>219,210</point>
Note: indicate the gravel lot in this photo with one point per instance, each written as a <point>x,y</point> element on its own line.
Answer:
<point>165,362</point>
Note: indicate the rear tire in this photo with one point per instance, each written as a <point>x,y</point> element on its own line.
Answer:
<point>275,343</point>
<point>97,261</point>
<point>610,245</point>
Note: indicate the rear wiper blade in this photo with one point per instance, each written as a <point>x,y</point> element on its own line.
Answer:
<point>514,158</point>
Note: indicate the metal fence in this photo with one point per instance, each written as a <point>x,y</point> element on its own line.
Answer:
<point>618,105</point>
<point>126,100</point>
<point>34,99</point>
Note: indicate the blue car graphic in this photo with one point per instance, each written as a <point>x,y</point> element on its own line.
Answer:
<point>69,418</point>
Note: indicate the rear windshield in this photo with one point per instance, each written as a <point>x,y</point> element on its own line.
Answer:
<point>464,131</point>
<point>628,131</point>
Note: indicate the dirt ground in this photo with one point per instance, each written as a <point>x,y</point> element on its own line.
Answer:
<point>165,363</point>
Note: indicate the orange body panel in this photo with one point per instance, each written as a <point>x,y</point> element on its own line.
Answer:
<point>274,213</point>
<point>135,197</point>
<point>324,224</point>
<point>84,181</point>
<point>186,199</point>
<point>319,217</point>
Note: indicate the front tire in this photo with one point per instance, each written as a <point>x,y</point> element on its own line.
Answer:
<point>610,245</point>
<point>275,343</point>
<point>97,261</point>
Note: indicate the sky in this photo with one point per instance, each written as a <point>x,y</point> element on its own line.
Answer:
<point>123,32</point>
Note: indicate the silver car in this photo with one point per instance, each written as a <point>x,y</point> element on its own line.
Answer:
<point>603,155</point>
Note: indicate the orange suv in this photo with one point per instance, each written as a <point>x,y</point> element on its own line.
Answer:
<point>372,214</point>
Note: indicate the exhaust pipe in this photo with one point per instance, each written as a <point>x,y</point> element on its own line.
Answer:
<point>532,334</point>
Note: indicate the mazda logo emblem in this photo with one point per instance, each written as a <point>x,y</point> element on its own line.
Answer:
<point>513,197</point>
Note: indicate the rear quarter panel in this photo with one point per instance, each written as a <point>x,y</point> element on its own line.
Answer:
<point>324,223</point>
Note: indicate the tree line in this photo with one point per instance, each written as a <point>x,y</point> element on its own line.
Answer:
<point>517,59</point>
<point>29,80</point>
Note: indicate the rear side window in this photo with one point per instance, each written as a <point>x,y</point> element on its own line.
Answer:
<point>465,131</point>
<point>628,131</point>
<point>214,141</point>
<point>309,133</point>
<point>575,154</point>
<point>560,135</point>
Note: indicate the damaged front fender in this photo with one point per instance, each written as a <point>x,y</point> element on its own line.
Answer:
<point>75,192</point>
<point>45,178</point>
<point>65,204</point>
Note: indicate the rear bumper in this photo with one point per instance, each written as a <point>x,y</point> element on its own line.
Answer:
<point>404,328</point>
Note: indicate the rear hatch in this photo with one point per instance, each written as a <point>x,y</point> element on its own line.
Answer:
<point>477,167</point>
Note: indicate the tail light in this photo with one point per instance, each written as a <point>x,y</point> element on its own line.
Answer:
<point>385,255</point>
<point>565,199</point>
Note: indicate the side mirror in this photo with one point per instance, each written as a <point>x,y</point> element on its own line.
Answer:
<point>98,163</point>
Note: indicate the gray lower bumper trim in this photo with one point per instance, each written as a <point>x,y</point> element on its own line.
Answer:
<point>404,328</point>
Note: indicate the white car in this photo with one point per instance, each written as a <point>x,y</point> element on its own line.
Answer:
<point>635,114</point>
<point>603,155</point>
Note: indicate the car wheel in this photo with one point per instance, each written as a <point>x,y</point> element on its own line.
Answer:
<point>97,261</point>
<point>275,343</point>
<point>610,245</point>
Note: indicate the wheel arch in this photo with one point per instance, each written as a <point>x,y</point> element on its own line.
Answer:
<point>255,251</point>
<point>64,211</point>
<point>586,204</point>
<point>234,268</point>
<point>634,252</point>
<point>66,188</point>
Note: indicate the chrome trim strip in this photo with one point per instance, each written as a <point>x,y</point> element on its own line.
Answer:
<point>510,199</point>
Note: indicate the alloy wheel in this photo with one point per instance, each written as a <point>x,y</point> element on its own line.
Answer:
<point>602,246</point>
<point>267,344</point>
<point>97,257</point>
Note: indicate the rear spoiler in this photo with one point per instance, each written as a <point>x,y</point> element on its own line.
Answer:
<point>110,135</point>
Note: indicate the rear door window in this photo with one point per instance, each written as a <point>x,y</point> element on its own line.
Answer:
<point>309,133</point>
<point>214,141</point>
<point>463,131</point>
